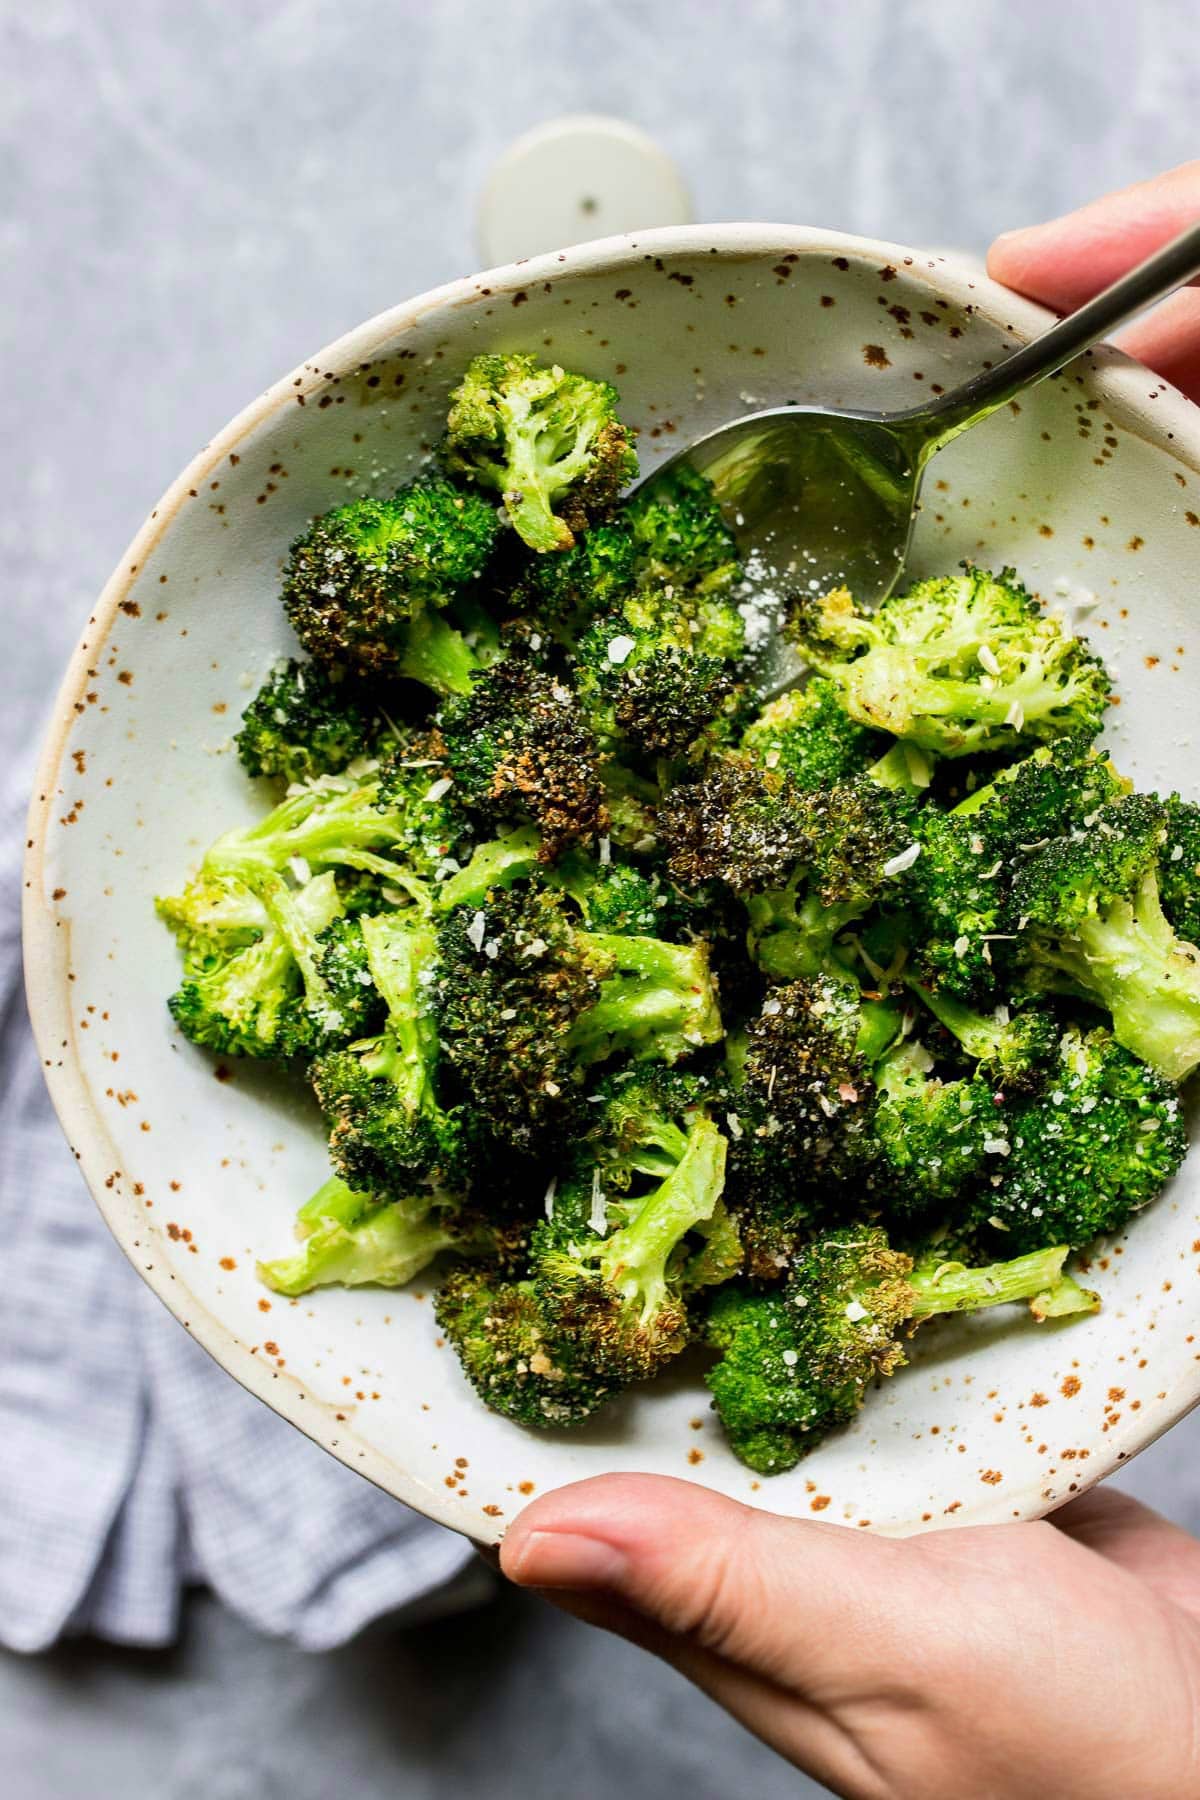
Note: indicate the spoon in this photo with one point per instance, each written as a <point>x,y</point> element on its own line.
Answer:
<point>828,494</point>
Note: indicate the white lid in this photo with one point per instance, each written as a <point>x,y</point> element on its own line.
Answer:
<point>579,177</point>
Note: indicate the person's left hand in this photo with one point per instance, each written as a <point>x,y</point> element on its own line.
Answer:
<point>990,1662</point>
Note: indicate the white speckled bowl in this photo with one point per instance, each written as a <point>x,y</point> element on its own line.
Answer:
<point>1094,477</point>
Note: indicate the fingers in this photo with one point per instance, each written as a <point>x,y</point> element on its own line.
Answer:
<point>1065,261</point>
<point>1168,341</point>
<point>1138,1540</point>
<point>717,1575</point>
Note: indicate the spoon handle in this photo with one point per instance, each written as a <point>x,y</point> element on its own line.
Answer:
<point>1169,268</point>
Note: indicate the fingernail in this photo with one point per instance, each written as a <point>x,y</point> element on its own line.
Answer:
<point>560,1559</point>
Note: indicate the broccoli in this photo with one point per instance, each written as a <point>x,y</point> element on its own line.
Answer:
<point>517,745</point>
<point>549,441</point>
<point>808,864</point>
<point>680,538</point>
<point>659,673</point>
<point>1082,1157</point>
<point>527,1001</point>
<point>958,665</point>
<point>306,721</point>
<point>933,1136</point>
<point>389,1133</point>
<point>351,1238</point>
<point>365,585</point>
<point>562,594</point>
<point>1179,868</point>
<point>807,735</point>
<point>241,978</point>
<point>959,887</point>
<point>398,820</point>
<point>514,1352</point>
<point>796,1364</point>
<point>495,863</point>
<point>611,1267</point>
<point>1093,925</point>
<point>1012,1050</point>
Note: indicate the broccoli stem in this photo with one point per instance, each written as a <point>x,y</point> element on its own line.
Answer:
<point>299,932</point>
<point>905,768</point>
<point>978,1034</point>
<point>494,864</point>
<point>402,959</point>
<point>633,1261</point>
<point>657,1000</point>
<point>318,825</point>
<point>351,1240</point>
<point>952,1287</point>
<point>437,655</point>
<point>1128,957</point>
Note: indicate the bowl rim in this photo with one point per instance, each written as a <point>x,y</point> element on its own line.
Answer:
<point>1172,425</point>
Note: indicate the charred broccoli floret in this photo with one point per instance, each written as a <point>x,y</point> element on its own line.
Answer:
<point>611,1266</point>
<point>796,1364</point>
<point>514,1352</point>
<point>365,586</point>
<point>528,1000</point>
<point>960,664</point>
<point>547,440</point>
<point>1012,1050</point>
<point>1093,924</point>
<point>517,745</point>
<point>659,675</point>
<point>1096,1146</point>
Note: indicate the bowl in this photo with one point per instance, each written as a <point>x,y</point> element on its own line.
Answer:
<point>1090,486</point>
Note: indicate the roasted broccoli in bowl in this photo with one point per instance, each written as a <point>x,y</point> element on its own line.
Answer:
<point>670,1021</point>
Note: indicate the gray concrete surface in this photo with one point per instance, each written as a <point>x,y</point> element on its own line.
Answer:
<point>192,198</point>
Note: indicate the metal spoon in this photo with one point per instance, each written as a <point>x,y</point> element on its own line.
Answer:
<point>828,493</point>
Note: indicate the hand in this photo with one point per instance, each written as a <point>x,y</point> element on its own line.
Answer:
<point>1066,261</point>
<point>987,1663</point>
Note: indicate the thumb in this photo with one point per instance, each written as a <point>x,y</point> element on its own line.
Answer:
<point>714,1577</point>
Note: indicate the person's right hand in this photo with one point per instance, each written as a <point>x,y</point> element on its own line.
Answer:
<point>1066,261</point>
<point>994,1662</point>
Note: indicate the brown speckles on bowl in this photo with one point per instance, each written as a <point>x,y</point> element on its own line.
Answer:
<point>876,357</point>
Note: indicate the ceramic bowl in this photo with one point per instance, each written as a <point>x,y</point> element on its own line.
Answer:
<point>1090,486</point>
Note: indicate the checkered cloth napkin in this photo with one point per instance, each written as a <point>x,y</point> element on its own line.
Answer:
<point>131,1465</point>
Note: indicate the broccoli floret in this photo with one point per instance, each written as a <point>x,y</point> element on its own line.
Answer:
<point>549,441</point>
<point>389,1133</point>
<point>959,888</point>
<point>1179,868</point>
<point>306,721</point>
<point>562,594</point>
<point>350,1238</point>
<point>616,897</point>
<point>1098,1145</point>
<point>242,980</point>
<point>934,1136</point>
<point>400,821</point>
<point>807,734</point>
<point>796,1364</point>
<point>1012,1050</point>
<point>527,1001</point>
<point>514,1351</point>
<point>365,585</point>
<point>339,1000</point>
<point>1094,926</point>
<point>959,665</point>
<point>611,1267</point>
<point>679,535</point>
<point>659,674</point>
<point>518,745</point>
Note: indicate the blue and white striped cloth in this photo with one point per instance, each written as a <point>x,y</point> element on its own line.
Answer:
<point>131,1465</point>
